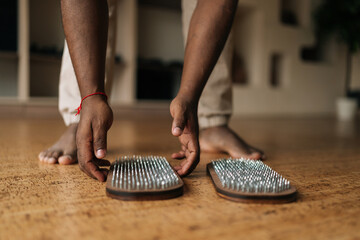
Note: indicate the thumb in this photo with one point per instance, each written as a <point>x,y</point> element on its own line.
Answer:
<point>178,123</point>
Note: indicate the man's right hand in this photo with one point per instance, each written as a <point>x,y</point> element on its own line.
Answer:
<point>96,119</point>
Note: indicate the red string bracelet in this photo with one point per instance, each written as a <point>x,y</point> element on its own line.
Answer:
<point>97,93</point>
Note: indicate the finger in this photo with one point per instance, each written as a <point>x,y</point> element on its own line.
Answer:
<point>188,165</point>
<point>192,154</point>
<point>86,153</point>
<point>99,142</point>
<point>178,123</point>
<point>105,172</point>
<point>93,171</point>
<point>101,162</point>
<point>183,148</point>
<point>178,155</point>
<point>177,168</point>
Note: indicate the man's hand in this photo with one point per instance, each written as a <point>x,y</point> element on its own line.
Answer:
<point>209,28</point>
<point>185,126</point>
<point>96,119</point>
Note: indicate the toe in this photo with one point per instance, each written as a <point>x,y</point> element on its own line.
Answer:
<point>48,153</point>
<point>51,160</point>
<point>178,155</point>
<point>42,156</point>
<point>49,157</point>
<point>247,155</point>
<point>67,159</point>
<point>255,156</point>
<point>261,153</point>
<point>56,154</point>
<point>45,156</point>
<point>53,157</point>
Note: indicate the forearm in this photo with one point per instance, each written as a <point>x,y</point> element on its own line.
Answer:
<point>209,28</point>
<point>85,26</point>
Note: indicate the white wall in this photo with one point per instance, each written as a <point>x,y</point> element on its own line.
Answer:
<point>306,88</point>
<point>160,33</point>
<point>44,77</point>
<point>45,31</point>
<point>355,73</point>
<point>249,42</point>
<point>8,76</point>
<point>45,23</point>
<point>123,90</point>
<point>145,32</point>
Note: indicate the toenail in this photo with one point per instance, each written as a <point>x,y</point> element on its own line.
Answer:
<point>65,160</point>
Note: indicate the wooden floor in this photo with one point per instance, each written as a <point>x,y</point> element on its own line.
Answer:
<point>319,156</point>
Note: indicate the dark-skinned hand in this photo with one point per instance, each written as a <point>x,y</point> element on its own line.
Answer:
<point>185,127</point>
<point>91,137</point>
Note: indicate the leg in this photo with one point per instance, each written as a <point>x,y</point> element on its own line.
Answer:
<point>85,25</point>
<point>111,45</point>
<point>215,105</point>
<point>64,150</point>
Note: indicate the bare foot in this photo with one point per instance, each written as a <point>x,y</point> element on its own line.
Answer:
<point>223,139</point>
<point>64,150</point>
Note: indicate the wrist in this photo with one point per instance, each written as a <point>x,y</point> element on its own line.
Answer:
<point>90,91</point>
<point>92,99</point>
<point>188,97</point>
<point>186,100</point>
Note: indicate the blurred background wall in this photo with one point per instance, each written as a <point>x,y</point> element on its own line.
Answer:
<point>274,70</point>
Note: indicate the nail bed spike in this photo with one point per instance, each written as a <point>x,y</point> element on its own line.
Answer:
<point>142,175</point>
<point>243,179</point>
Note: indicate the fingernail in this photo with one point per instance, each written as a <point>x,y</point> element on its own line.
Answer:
<point>100,153</point>
<point>176,131</point>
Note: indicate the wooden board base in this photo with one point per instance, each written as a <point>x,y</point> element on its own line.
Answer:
<point>142,195</point>
<point>238,196</point>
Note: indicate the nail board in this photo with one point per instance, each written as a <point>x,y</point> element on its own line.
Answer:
<point>245,180</point>
<point>143,178</point>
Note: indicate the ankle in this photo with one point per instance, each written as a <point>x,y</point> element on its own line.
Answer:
<point>214,128</point>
